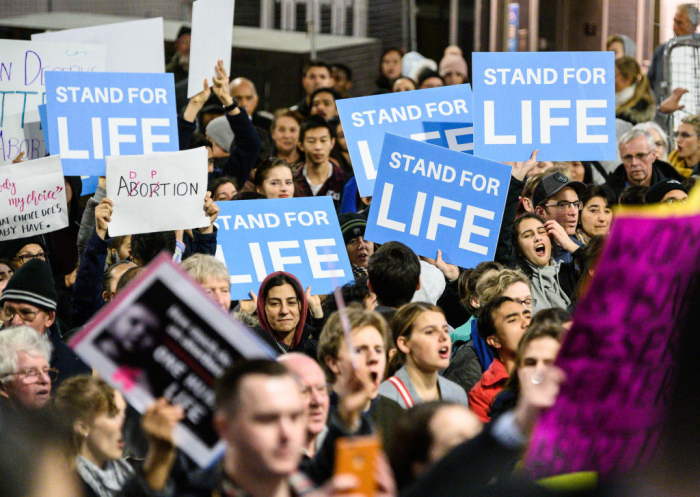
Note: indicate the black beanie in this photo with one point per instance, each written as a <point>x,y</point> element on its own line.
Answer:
<point>351,226</point>
<point>32,284</point>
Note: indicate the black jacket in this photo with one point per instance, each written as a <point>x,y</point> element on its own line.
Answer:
<point>661,170</point>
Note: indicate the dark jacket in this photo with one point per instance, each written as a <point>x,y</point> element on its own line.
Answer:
<point>63,358</point>
<point>333,186</point>
<point>661,170</point>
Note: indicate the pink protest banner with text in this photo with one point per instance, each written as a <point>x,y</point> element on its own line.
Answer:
<point>621,355</point>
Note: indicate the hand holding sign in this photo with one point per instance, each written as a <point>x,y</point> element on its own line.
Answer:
<point>158,424</point>
<point>103,215</point>
<point>212,212</point>
<point>196,103</point>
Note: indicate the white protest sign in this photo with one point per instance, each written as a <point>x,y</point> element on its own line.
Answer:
<point>32,198</point>
<point>23,65</point>
<point>134,46</point>
<point>212,31</point>
<point>157,192</point>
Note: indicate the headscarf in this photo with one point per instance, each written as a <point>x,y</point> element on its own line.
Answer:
<point>262,316</point>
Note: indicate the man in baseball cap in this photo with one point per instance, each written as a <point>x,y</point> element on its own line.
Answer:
<point>668,191</point>
<point>556,198</point>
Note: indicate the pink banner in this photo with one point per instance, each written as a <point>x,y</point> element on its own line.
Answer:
<point>620,357</point>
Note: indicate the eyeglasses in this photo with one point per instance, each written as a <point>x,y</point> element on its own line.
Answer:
<point>28,257</point>
<point>684,134</point>
<point>563,206</point>
<point>31,376</point>
<point>26,315</point>
<point>676,201</point>
<point>628,159</point>
<point>527,303</point>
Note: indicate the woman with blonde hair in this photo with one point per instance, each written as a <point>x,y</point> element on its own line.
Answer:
<point>686,157</point>
<point>634,99</point>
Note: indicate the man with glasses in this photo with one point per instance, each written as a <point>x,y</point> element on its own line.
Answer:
<point>25,375</point>
<point>639,167</point>
<point>556,200</point>
<point>667,191</point>
<point>30,299</point>
<point>18,252</point>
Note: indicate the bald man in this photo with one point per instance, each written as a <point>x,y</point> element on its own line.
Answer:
<point>315,394</point>
<point>243,90</point>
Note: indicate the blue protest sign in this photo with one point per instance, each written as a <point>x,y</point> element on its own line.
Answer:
<point>562,103</point>
<point>95,115</point>
<point>441,116</point>
<point>433,198</point>
<point>300,235</point>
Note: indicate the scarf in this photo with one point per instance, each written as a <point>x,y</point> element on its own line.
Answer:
<point>545,287</point>
<point>624,96</point>
<point>106,482</point>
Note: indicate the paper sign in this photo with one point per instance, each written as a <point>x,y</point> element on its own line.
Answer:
<point>298,235</point>
<point>562,103</point>
<point>91,116</point>
<point>163,337</point>
<point>433,198</point>
<point>32,198</point>
<point>621,355</point>
<point>212,32</point>
<point>157,192</point>
<point>23,66</point>
<point>134,46</point>
<point>441,116</point>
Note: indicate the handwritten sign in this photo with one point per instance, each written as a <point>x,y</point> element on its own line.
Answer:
<point>163,337</point>
<point>23,67</point>
<point>432,198</point>
<point>32,198</point>
<point>157,192</point>
<point>562,103</point>
<point>301,236</point>
<point>94,115</point>
<point>133,46</point>
<point>441,116</point>
<point>621,355</point>
<point>212,27</point>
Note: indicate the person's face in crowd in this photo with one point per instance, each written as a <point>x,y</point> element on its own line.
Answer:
<point>216,151</point>
<point>219,290</point>
<point>391,65</point>
<point>123,251</point>
<point>244,92</point>
<point>454,78</point>
<point>26,253</point>
<point>596,217</point>
<point>285,134</point>
<point>539,355</point>
<point>133,326</point>
<point>433,82</point>
<point>104,441</point>
<point>317,145</point>
<point>674,197</point>
<point>267,430</point>
<point>540,167</point>
<point>340,138</point>
<point>681,23</point>
<point>225,192</point>
<point>578,171</point>
<point>687,142</point>
<point>535,245</point>
<point>341,83</point>
<point>314,391</point>
<point>15,314</point>
<point>369,347</point>
<point>282,308</point>
<point>403,84</point>
<point>279,183</point>
<point>429,345</point>
<point>182,45</point>
<point>359,251</point>
<point>370,302</point>
<point>315,78</point>
<point>561,207</point>
<point>6,272</point>
<point>660,150</point>
<point>637,159</point>
<point>520,292</point>
<point>30,387</point>
<point>622,82</point>
<point>618,48</point>
<point>450,426</point>
<point>510,321</point>
<point>323,105</point>
<point>117,273</point>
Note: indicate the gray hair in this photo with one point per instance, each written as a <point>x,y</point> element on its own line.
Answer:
<point>20,339</point>
<point>202,267</point>
<point>240,80</point>
<point>635,133</point>
<point>649,125</point>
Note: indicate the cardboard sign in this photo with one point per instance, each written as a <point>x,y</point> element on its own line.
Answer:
<point>94,115</point>
<point>298,235</point>
<point>432,198</point>
<point>157,192</point>
<point>23,67</point>
<point>134,46</point>
<point>163,337</point>
<point>441,116</point>
<point>32,198</point>
<point>212,32</point>
<point>562,103</point>
<point>621,355</point>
